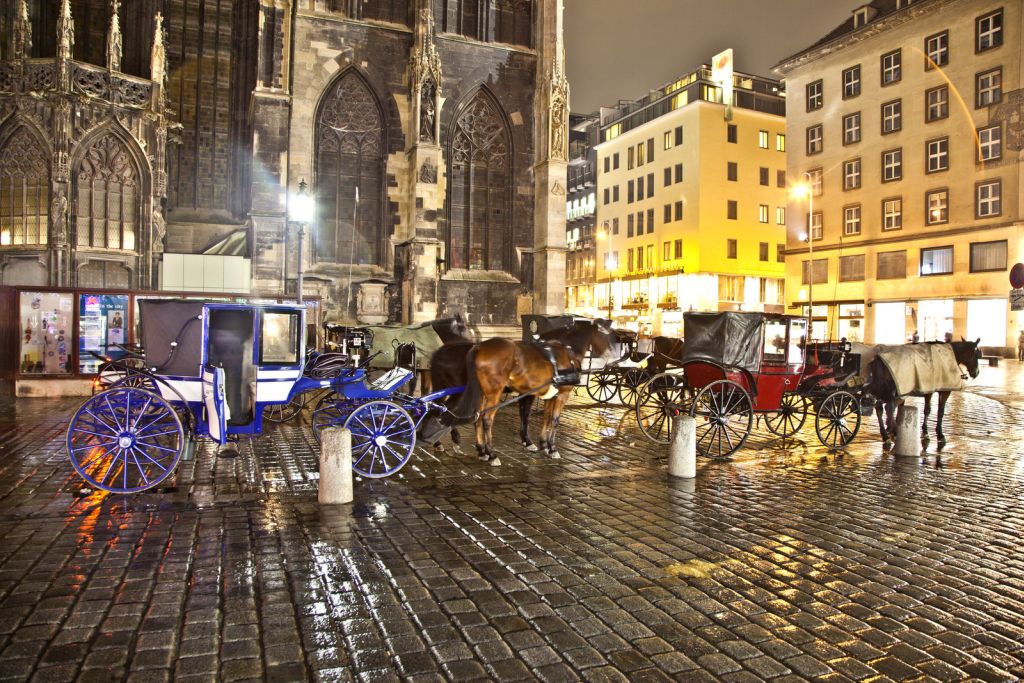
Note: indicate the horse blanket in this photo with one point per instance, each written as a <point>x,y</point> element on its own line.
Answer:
<point>386,338</point>
<point>922,368</point>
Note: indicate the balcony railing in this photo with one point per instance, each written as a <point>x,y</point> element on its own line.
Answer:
<point>42,75</point>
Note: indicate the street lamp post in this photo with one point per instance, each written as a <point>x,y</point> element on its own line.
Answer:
<point>301,206</point>
<point>807,187</point>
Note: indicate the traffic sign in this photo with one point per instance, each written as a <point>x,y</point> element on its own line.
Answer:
<point>1017,276</point>
<point>1017,299</point>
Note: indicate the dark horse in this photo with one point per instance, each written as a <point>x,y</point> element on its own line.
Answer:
<point>495,364</point>
<point>882,386</point>
<point>666,351</point>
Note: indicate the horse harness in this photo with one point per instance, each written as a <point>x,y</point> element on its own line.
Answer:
<point>561,377</point>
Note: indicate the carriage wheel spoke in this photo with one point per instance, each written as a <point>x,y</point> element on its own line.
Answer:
<point>103,422</point>
<point>142,411</point>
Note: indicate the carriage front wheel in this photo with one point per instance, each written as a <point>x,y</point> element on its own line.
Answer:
<point>838,419</point>
<point>790,417</point>
<point>659,401</point>
<point>602,386</point>
<point>283,412</point>
<point>629,386</point>
<point>383,438</point>
<point>125,440</point>
<point>724,417</point>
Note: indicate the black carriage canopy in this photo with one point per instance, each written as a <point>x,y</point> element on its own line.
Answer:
<point>164,321</point>
<point>728,338</point>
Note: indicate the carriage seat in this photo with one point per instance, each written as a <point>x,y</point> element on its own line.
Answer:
<point>560,376</point>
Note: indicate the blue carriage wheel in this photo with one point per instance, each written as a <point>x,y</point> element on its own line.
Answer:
<point>383,438</point>
<point>125,439</point>
<point>136,380</point>
<point>331,411</point>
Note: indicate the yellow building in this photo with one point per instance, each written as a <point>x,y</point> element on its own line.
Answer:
<point>691,202</point>
<point>906,120</point>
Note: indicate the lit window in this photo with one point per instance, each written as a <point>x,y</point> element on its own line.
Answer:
<point>668,139</point>
<point>937,261</point>
<point>851,82</point>
<point>937,154</point>
<point>989,31</point>
<point>613,131</point>
<point>851,128</point>
<point>762,213</point>
<point>816,180</point>
<point>937,202</point>
<point>936,47</point>
<point>989,198</point>
<point>892,165</point>
<point>936,103</point>
<point>851,220</point>
<point>892,213</point>
<point>762,139</point>
<point>814,95</point>
<point>780,215</point>
<point>891,67</point>
<point>817,221</point>
<point>989,88</point>
<point>892,116</point>
<point>641,153</point>
<point>990,143</point>
<point>780,142</point>
<point>851,174</point>
<point>814,139</point>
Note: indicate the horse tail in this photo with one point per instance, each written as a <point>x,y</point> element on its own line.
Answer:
<point>468,406</point>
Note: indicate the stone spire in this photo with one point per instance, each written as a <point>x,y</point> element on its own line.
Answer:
<point>425,74</point>
<point>114,39</point>
<point>65,32</point>
<point>22,31</point>
<point>158,58</point>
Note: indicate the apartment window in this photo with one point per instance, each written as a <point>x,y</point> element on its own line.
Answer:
<point>936,48</point>
<point>814,139</point>
<point>892,116</point>
<point>731,248</point>
<point>668,139</point>
<point>615,160</point>
<point>780,215</point>
<point>936,207</point>
<point>667,214</point>
<point>641,153</point>
<point>937,261</point>
<point>678,173</point>
<point>891,67</point>
<point>650,185</point>
<point>666,251</point>
<point>817,181</point>
<point>892,165</point>
<point>650,220</point>
<point>640,223</point>
<point>607,195</point>
<point>630,197</point>
<point>990,143</point>
<point>937,155</point>
<point>820,271</point>
<point>730,132</point>
<point>678,210</point>
<point>629,260</point>
<point>892,213</point>
<point>988,87</point>
<point>851,128</point>
<point>762,213</point>
<point>988,31</point>
<point>732,171</point>
<point>780,142</point>
<point>814,95</point>
<point>763,175</point>
<point>630,223</point>
<point>668,176</point>
<point>851,174</point>
<point>615,193</point>
<point>762,139</point>
<point>988,256</point>
<point>780,253</point>
<point>732,210</point>
<point>650,150</point>
<point>615,226</point>
<point>630,158</point>
<point>851,268</point>
<point>851,82</point>
<point>892,265</point>
<point>780,179</point>
<point>936,103</point>
<point>677,247</point>
<point>851,220</point>
<point>817,224</point>
<point>679,135</point>
<point>607,164</point>
<point>763,251</point>
<point>988,198</point>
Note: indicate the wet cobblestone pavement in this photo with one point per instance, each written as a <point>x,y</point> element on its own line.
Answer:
<point>787,563</point>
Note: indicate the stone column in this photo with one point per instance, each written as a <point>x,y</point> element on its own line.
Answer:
<point>551,126</point>
<point>425,200</point>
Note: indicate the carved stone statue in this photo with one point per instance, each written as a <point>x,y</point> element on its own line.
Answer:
<point>159,231</point>
<point>428,94</point>
<point>58,217</point>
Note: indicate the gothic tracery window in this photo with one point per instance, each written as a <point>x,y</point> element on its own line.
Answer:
<point>107,196</point>
<point>350,160</point>
<point>24,190</point>
<point>480,175</point>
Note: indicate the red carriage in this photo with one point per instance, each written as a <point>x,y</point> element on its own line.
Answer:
<point>736,366</point>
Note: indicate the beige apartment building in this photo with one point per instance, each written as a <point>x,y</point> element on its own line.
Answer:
<point>691,202</point>
<point>906,123</point>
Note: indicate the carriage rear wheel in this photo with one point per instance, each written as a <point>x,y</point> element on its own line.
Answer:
<point>725,417</point>
<point>630,383</point>
<point>602,386</point>
<point>331,410</point>
<point>383,438</point>
<point>283,412</point>
<point>838,419</point>
<point>790,417</point>
<point>125,440</point>
<point>659,401</point>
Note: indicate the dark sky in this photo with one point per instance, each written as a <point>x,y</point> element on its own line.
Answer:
<point>620,49</point>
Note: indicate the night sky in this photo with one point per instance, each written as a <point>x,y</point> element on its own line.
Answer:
<point>620,50</point>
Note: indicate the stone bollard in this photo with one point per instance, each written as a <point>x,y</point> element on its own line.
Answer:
<point>682,453</point>
<point>335,466</point>
<point>908,432</point>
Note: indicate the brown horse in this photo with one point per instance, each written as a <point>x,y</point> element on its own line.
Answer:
<point>524,368</point>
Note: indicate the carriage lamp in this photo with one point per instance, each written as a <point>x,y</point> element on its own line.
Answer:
<point>300,210</point>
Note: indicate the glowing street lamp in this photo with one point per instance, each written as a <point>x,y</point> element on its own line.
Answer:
<point>301,207</point>
<point>798,192</point>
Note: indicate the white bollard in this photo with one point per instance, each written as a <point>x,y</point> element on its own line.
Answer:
<point>908,432</point>
<point>335,466</point>
<point>682,453</point>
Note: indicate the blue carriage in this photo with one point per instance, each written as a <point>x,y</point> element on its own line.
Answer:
<point>211,370</point>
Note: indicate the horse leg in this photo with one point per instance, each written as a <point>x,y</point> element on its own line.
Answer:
<point>558,402</point>
<point>546,442</point>
<point>880,407</point>
<point>456,441</point>
<point>425,383</point>
<point>525,406</point>
<point>943,397</point>
<point>924,418</point>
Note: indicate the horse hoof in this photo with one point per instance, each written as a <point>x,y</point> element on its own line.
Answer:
<point>554,455</point>
<point>496,462</point>
<point>532,448</point>
<point>456,450</point>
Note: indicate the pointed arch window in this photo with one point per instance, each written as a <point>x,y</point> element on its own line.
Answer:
<point>350,160</point>
<point>24,190</point>
<point>107,206</point>
<point>479,190</point>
